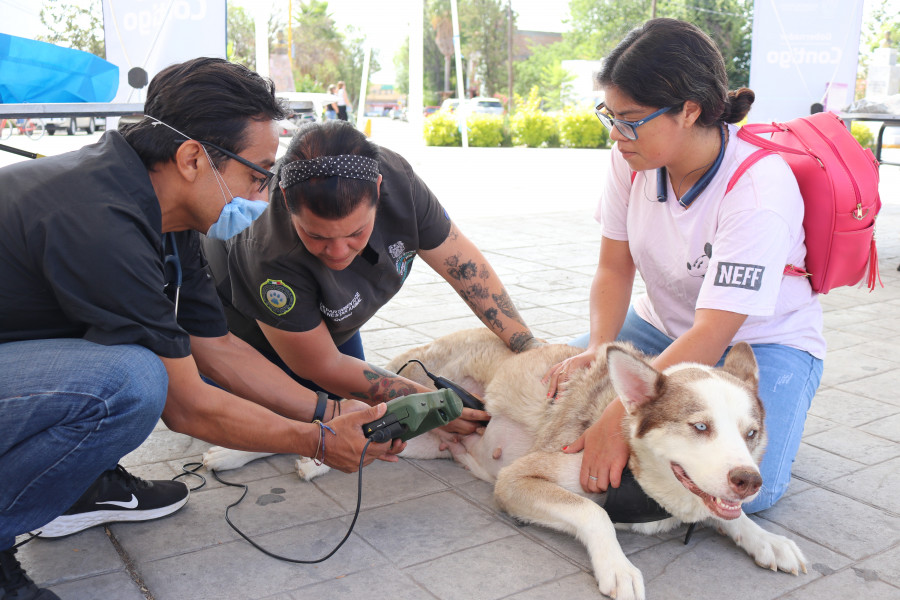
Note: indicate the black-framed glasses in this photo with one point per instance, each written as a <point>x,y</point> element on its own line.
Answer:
<point>626,128</point>
<point>267,174</point>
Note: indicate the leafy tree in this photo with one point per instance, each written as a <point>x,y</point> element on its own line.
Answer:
<point>241,42</point>
<point>322,54</point>
<point>729,23</point>
<point>318,47</point>
<point>433,65</point>
<point>597,26</point>
<point>880,28</point>
<point>442,25</point>
<point>542,70</point>
<point>483,27</point>
<point>74,25</point>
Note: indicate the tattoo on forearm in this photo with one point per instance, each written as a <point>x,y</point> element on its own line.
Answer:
<point>506,306</point>
<point>384,386</point>
<point>490,315</point>
<point>521,342</point>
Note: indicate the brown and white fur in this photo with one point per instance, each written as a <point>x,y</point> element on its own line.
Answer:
<point>696,436</point>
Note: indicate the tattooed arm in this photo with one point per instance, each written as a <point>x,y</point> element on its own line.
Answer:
<point>463,265</point>
<point>312,355</point>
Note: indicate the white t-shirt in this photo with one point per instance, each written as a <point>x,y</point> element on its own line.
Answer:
<point>725,252</point>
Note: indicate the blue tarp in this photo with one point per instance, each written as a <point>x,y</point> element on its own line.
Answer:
<point>32,71</point>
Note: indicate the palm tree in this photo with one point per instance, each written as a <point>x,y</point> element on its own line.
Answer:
<point>442,25</point>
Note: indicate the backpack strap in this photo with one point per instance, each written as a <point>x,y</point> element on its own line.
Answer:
<point>742,168</point>
<point>748,162</point>
<point>749,133</point>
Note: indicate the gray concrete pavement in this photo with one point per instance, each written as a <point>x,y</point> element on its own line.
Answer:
<point>430,530</point>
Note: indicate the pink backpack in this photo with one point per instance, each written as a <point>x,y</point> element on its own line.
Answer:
<point>838,179</point>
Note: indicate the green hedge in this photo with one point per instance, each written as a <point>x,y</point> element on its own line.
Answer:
<point>485,130</point>
<point>531,126</point>
<point>528,126</point>
<point>579,128</point>
<point>863,135</point>
<point>441,129</point>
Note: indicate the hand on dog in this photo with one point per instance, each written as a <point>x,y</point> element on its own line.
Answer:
<point>343,449</point>
<point>605,451</point>
<point>471,421</point>
<point>558,375</point>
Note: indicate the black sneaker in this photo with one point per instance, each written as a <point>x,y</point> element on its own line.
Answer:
<point>118,496</point>
<point>15,584</point>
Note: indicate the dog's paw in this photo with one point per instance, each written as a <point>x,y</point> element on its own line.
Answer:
<point>218,458</point>
<point>775,552</point>
<point>309,470</point>
<point>621,580</point>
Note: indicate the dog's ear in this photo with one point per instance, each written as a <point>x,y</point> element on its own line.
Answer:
<point>741,363</point>
<point>635,381</point>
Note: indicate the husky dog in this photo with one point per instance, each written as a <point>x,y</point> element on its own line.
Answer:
<point>696,436</point>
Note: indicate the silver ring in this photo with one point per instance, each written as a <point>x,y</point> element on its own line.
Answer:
<point>592,477</point>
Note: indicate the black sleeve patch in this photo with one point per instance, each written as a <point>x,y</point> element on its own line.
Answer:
<point>748,277</point>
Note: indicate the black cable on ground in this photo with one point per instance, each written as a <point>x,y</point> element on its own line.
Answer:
<point>244,494</point>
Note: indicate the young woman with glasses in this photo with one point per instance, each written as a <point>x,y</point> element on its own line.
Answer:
<point>711,261</point>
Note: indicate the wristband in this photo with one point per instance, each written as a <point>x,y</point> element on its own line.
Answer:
<point>321,405</point>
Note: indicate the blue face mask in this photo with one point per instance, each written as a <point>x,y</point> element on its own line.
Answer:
<point>236,216</point>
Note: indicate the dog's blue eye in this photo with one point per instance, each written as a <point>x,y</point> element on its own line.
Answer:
<point>700,426</point>
<point>751,433</point>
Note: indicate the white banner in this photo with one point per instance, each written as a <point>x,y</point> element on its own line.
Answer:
<point>804,52</point>
<point>150,35</point>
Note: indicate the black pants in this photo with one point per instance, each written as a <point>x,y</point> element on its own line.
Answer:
<point>342,112</point>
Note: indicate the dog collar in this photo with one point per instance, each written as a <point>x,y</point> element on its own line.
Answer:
<point>629,503</point>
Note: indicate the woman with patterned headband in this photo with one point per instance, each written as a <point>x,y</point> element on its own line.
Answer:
<point>336,243</point>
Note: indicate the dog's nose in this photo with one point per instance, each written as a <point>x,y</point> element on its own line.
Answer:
<point>744,481</point>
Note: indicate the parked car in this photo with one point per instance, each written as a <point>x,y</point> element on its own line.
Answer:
<point>485,105</point>
<point>306,107</point>
<point>71,125</point>
<point>450,104</point>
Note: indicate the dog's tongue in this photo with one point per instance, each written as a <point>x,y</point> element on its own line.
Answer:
<point>717,506</point>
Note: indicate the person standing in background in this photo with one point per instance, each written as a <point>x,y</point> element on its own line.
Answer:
<point>342,101</point>
<point>331,107</point>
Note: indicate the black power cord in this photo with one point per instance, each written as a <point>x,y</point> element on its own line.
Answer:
<point>247,489</point>
<point>469,400</point>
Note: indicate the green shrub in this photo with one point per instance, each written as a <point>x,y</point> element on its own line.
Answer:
<point>485,130</point>
<point>530,125</point>
<point>863,135</point>
<point>441,129</point>
<point>579,128</point>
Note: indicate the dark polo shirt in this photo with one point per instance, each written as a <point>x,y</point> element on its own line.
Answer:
<point>82,256</point>
<point>265,273</point>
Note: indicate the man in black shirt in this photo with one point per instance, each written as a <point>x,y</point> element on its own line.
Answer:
<point>108,313</point>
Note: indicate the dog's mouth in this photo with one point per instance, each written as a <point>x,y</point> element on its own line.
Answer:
<point>724,509</point>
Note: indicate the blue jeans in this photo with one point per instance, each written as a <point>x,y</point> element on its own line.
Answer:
<point>69,410</point>
<point>788,380</point>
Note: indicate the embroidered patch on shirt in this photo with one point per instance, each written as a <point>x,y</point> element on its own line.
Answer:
<point>397,249</point>
<point>277,296</point>
<point>404,264</point>
<point>748,277</point>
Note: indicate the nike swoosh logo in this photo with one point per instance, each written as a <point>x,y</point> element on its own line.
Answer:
<point>130,504</point>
